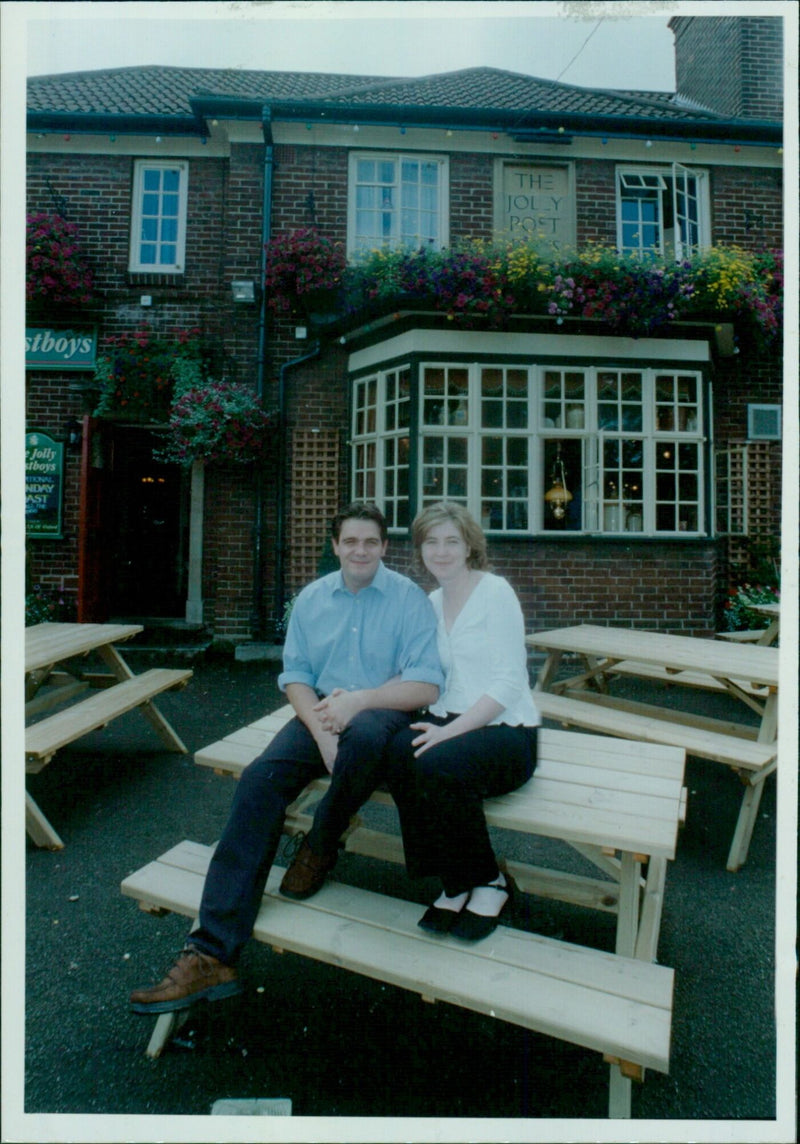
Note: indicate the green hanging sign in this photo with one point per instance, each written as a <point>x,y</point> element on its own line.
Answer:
<point>44,486</point>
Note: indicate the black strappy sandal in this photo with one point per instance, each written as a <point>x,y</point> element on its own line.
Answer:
<point>474,927</point>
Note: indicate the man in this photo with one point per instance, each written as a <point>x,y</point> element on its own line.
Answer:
<point>360,659</point>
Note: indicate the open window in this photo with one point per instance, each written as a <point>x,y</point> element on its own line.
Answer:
<point>662,211</point>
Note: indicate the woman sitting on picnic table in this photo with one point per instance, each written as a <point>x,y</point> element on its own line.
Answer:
<point>479,738</point>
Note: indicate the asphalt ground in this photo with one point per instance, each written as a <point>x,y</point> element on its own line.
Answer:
<point>336,1044</point>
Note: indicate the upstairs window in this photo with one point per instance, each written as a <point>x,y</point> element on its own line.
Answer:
<point>662,211</point>
<point>158,226</point>
<point>397,201</point>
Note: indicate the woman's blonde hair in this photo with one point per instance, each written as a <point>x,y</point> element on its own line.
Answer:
<point>449,511</point>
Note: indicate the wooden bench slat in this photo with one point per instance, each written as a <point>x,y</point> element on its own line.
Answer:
<point>685,678</point>
<point>43,739</point>
<point>590,712</point>
<point>597,1000</point>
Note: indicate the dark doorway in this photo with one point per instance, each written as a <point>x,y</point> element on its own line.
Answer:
<point>148,513</point>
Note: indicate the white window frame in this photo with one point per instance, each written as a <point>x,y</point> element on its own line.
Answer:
<point>395,239</point>
<point>381,414</point>
<point>666,437</point>
<point>675,242</point>
<point>137,239</point>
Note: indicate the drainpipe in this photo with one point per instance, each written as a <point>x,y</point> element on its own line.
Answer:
<point>258,619</point>
<point>280,530</point>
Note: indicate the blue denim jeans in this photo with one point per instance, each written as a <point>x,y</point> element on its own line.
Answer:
<point>246,851</point>
<point>440,797</point>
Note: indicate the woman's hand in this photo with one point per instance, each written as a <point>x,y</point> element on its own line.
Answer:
<point>431,734</point>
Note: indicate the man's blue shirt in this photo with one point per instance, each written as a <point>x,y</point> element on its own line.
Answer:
<point>337,638</point>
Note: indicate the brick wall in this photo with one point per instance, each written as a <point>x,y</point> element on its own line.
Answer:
<point>669,586</point>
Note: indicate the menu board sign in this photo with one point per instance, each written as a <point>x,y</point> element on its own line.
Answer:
<point>44,485</point>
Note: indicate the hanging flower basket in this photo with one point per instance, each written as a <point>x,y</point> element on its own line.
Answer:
<point>56,271</point>
<point>218,421</point>
<point>303,272</point>
<point>139,372</point>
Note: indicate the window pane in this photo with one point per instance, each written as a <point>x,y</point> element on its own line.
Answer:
<point>172,180</point>
<point>152,180</point>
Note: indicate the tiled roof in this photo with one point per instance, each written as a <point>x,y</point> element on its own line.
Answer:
<point>167,92</point>
<point>495,89</point>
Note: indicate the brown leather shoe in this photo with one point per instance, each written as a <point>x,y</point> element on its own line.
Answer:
<point>306,873</point>
<point>195,976</point>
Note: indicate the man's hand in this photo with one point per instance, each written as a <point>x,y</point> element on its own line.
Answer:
<point>337,709</point>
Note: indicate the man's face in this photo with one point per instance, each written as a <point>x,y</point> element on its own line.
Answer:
<point>360,550</point>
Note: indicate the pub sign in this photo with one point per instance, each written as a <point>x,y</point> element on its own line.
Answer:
<point>49,348</point>
<point>44,486</point>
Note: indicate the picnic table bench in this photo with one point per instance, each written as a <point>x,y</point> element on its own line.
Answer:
<point>55,675</point>
<point>617,803</point>
<point>747,673</point>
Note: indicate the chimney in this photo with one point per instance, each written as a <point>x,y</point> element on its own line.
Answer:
<point>731,65</point>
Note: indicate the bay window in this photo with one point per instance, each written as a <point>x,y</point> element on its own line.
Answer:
<point>627,442</point>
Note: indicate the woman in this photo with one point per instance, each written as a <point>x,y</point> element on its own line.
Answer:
<point>479,739</point>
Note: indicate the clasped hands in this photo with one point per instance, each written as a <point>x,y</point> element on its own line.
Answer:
<point>336,710</point>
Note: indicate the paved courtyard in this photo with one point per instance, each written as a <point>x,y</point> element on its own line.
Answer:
<point>338,1045</point>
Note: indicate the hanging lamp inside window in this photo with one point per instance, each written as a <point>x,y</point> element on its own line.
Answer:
<point>558,495</point>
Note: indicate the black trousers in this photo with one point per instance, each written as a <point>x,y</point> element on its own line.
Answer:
<point>440,797</point>
<point>246,851</point>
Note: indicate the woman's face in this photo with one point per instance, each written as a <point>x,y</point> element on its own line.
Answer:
<point>445,552</point>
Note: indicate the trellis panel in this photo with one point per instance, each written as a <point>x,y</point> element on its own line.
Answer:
<point>314,500</point>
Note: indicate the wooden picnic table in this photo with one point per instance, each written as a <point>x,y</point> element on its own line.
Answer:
<point>764,637</point>
<point>747,672</point>
<point>57,681</point>
<point>618,805</point>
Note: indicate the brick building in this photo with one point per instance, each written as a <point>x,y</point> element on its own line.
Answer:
<point>405,405</point>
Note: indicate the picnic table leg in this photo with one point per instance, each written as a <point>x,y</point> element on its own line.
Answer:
<point>166,1025</point>
<point>164,730</point>
<point>628,915</point>
<point>38,827</point>
<point>619,1095</point>
<point>548,671</point>
<point>748,813</point>
<point>652,905</point>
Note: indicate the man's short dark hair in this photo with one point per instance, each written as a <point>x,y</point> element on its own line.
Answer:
<point>358,510</point>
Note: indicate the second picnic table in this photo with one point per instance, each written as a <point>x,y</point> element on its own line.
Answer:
<point>56,680</point>
<point>749,673</point>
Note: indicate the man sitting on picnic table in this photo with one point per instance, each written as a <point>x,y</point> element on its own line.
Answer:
<point>361,645</point>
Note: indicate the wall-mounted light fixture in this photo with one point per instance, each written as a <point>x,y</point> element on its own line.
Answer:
<point>74,434</point>
<point>243,291</point>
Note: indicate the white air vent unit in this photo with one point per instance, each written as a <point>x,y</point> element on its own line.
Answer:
<point>764,422</point>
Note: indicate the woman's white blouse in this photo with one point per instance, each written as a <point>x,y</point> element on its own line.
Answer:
<point>484,653</point>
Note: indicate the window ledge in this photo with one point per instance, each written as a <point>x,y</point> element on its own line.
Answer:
<point>155,278</point>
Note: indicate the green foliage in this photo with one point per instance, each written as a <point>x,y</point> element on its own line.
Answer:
<point>44,605</point>
<point>138,372</point>
<point>737,613</point>
<point>56,268</point>
<point>217,421</point>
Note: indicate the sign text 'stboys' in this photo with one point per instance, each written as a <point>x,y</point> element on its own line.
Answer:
<point>47,348</point>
